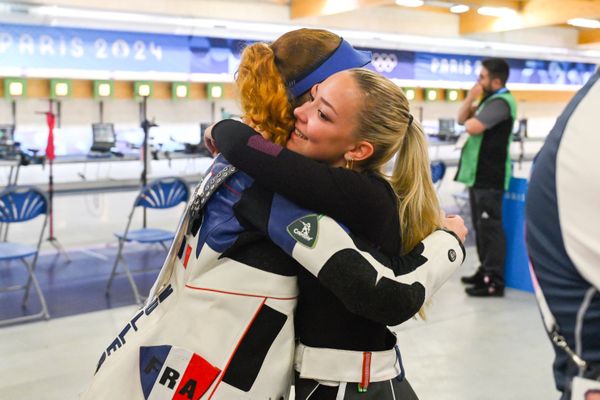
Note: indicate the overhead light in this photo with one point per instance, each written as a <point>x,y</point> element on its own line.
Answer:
<point>410,93</point>
<point>103,89</point>
<point>584,23</point>
<point>459,8</point>
<point>452,94</point>
<point>214,91</point>
<point>431,94</point>
<point>142,89</point>
<point>410,3</point>
<point>14,87</point>
<point>337,6</point>
<point>60,88</point>
<point>180,90</point>
<point>500,12</point>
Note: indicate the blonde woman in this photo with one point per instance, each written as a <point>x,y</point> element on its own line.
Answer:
<point>219,320</point>
<point>351,126</point>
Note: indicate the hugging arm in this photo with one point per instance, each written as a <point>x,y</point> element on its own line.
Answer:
<point>388,291</point>
<point>316,186</point>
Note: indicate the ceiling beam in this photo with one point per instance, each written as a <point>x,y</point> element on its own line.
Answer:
<point>535,13</point>
<point>554,12</point>
<point>589,36</point>
<point>317,8</point>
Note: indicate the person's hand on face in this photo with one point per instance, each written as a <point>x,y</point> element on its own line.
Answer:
<point>456,224</point>
<point>476,91</point>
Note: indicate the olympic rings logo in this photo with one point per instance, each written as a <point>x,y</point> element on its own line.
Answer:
<point>384,62</point>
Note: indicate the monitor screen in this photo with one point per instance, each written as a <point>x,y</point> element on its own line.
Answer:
<point>446,126</point>
<point>7,132</point>
<point>104,133</point>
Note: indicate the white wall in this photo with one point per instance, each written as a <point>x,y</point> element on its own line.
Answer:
<point>106,212</point>
<point>541,115</point>
<point>176,119</point>
<point>182,117</point>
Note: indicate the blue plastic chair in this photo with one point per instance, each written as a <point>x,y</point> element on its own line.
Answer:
<point>21,205</point>
<point>438,170</point>
<point>159,194</point>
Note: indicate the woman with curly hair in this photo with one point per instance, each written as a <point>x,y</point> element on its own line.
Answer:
<point>394,213</point>
<point>219,321</point>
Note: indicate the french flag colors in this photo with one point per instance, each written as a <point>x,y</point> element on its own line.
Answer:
<point>169,372</point>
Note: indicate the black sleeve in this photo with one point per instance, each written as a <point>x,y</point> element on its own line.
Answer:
<point>306,182</point>
<point>369,284</point>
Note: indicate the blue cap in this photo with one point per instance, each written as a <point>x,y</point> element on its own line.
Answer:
<point>344,57</point>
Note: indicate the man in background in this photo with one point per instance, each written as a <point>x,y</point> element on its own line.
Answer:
<point>487,113</point>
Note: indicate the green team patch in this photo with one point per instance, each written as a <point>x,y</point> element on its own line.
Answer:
<point>305,230</point>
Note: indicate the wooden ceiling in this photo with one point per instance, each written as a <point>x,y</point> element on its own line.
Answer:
<point>530,13</point>
<point>533,15</point>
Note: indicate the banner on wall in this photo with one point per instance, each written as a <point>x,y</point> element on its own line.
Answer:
<point>215,55</point>
<point>463,68</point>
<point>56,48</point>
<point>83,49</point>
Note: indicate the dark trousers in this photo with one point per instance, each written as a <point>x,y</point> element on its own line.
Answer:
<point>486,215</point>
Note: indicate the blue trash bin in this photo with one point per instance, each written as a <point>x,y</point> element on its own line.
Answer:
<point>516,266</point>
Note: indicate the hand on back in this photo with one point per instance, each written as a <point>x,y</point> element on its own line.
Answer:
<point>456,224</point>
<point>209,142</point>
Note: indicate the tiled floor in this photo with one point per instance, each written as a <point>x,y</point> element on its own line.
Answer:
<point>468,349</point>
<point>79,286</point>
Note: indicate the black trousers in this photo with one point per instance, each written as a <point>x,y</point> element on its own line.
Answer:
<point>486,215</point>
<point>308,389</point>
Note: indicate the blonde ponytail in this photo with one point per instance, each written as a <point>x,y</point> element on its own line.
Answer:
<point>419,208</point>
<point>385,121</point>
<point>263,94</point>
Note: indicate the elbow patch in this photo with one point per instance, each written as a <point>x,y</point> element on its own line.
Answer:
<point>257,142</point>
<point>366,293</point>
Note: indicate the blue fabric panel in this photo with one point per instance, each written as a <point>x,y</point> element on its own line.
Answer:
<point>220,228</point>
<point>563,286</point>
<point>283,213</point>
<point>151,360</point>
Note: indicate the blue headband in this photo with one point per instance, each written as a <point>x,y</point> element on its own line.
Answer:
<point>344,57</point>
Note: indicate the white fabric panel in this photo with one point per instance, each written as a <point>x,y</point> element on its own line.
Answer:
<point>229,278</point>
<point>432,274</point>
<point>439,267</point>
<point>344,365</point>
<point>578,186</point>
